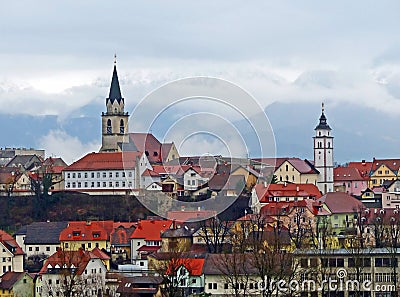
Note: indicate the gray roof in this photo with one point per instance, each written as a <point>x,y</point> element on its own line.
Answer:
<point>220,264</point>
<point>180,232</point>
<point>44,232</point>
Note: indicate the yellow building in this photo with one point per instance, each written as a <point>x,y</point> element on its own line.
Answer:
<point>295,170</point>
<point>87,235</point>
<point>16,284</point>
<point>383,170</point>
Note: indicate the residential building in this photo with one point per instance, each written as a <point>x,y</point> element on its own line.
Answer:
<point>6,154</point>
<point>147,238</point>
<point>109,173</point>
<point>263,194</point>
<point>349,180</point>
<point>383,170</point>
<point>81,272</point>
<point>11,254</point>
<point>146,286</point>
<point>391,195</point>
<point>87,235</point>
<point>323,154</point>
<point>40,238</point>
<point>295,170</point>
<point>120,241</point>
<point>227,185</point>
<point>16,284</point>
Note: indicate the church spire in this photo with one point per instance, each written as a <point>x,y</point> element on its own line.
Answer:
<point>115,91</point>
<point>322,120</point>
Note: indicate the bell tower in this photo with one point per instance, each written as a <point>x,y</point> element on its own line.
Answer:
<point>115,119</point>
<point>323,154</point>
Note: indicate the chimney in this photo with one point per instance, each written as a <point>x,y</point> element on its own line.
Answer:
<point>284,184</point>
<point>297,188</point>
<point>265,184</point>
<point>363,162</point>
<point>88,222</point>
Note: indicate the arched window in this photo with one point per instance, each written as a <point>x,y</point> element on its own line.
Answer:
<point>287,178</point>
<point>329,144</point>
<point>109,128</point>
<point>287,167</point>
<point>121,127</point>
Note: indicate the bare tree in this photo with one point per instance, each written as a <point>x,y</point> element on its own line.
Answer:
<point>215,233</point>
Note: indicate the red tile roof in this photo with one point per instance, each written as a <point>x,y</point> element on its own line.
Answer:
<point>9,279</point>
<point>150,229</point>
<point>194,266</point>
<point>106,161</point>
<point>87,231</point>
<point>392,164</point>
<point>277,208</point>
<point>288,190</point>
<point>339,202</point>
<point>347,174</point>
<point>71,259</point>
<point>10,243</point>
<point>146,142</point>
<point>98,253</point>
<point>363,167</point>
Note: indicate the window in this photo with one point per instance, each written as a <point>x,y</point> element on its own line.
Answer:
<point>86,184</point>
<point>89,245</point>
<point>123,174</point>
<point>188,182</point>
<point>104,184</point>
<point>92,175</point>
<point>210,286</point>
<point>68,175</point>
<point>98,184</point>
<point>193,182</point>
<point>68,184</point>
<point>215,286</point>
<point>47,249</point>
<point>92,185</point>
<point>287,167</point>
<point>79,184</point>
<point>121,127</point>
<point>116,174</point>
<point>110,184</point>
<point>109,128</point>
<point>104,174</point>
<point>86,175</point>
<point>123,184</point>
<point>79,175</point>
<point>110,174</point>
<point>73,175</point>
<point>98,174</point>
<point>74,185</point>
<point>117,184</point>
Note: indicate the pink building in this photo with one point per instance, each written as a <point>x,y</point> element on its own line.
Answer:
<point>349,180</point>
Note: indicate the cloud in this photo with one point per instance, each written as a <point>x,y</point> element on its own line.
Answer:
<point>70,148</point>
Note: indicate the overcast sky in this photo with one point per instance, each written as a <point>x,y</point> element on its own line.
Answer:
<point>56,57</point>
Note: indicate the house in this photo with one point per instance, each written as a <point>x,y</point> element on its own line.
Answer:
<point>87,235</point>
<point>295,170</point>
<point>391,195</point>
<point>349,180</point>
<point>227,185</point>
<point>251,175</point>
<point>177,239</point>
<point>106,173</point>
<point>26,162</point>
<point>156,152</point>
<point>14,182</point>
<point>382,170</point>
<point>120,241</point>
<point>371,199</point>
<point>6,154</point>
<point>79,271</point>
<point>140,286</point>
<point>263,194</point>
<point>343,209</point>
<point>195,177</point>
<point>16,284</point>
<point>221,275</point>
<point>40,238</point>
<point>363,167</point>
<point>187,273</point>
<point>54,166</point>
<point>11,254</point>
<point>147,238</point>
<point>150,177</point>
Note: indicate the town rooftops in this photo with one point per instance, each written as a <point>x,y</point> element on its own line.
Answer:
<point>9,279</point>
<point>392,164</point>
<point>150,229</point>
<point>347,174</point>
<point>87,231</point>
<point>286,190</point>
<point>106,161</point>
<point>339,202</point>
<point>190,215</point>
<point>149,144</point>
<point>194,266</point>
<point>9,243</point>
<point>75,260</point>
<point>363,167</point>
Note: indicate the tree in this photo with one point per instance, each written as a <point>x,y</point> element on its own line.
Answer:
<point>215,233</point>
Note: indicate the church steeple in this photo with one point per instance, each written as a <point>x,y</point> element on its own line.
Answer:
<point>322,121</point>
<point>115,91</point>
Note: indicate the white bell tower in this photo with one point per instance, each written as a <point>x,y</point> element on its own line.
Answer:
<point>323,154</point>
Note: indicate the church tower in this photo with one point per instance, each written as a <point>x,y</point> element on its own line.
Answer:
<point>115,120</point>
<point>323,154</point>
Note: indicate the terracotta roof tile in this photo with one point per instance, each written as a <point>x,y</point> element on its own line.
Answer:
<point>339,202</point>
<point>150,229</point>
<point>347,174</point>
<point>106,161</point>
<point>10,243</point>
<point>288,190</point>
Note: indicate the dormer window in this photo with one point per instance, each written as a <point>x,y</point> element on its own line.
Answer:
<point>96,235</point>
<point>76,233</point>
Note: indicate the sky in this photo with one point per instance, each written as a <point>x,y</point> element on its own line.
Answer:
<point>56,60</point>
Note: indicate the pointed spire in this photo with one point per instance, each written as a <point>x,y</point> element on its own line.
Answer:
<point>322,120</point>
<point>115,91</point>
